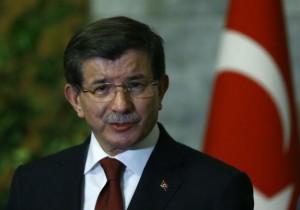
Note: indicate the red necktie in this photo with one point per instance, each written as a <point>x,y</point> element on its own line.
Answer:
<point>110,198</point>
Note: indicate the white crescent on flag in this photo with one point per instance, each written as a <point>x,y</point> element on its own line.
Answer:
<point>260,67</point>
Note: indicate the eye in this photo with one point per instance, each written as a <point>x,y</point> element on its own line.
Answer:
<point>102,89</point>
<point>136,85</point>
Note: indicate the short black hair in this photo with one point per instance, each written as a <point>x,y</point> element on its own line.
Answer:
<point>110,38</point>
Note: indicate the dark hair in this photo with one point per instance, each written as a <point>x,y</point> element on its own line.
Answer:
<point>110,38</point>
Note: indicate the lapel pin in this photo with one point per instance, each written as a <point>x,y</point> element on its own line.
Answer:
<point>164,185</point>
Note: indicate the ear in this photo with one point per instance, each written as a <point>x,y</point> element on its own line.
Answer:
<point>73,97</point>
<point>162,88</point>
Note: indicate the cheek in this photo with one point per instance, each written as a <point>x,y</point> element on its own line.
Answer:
<point>92,113</point>
<point>149,110</point>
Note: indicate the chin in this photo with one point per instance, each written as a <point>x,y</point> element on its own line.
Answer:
<point>123,144</point>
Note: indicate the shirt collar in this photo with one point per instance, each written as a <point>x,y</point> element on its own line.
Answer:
<point>134,158</point>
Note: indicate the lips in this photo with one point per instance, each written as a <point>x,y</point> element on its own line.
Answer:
<point>121,126</point>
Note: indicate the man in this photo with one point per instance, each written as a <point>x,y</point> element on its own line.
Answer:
<point>115,71</point>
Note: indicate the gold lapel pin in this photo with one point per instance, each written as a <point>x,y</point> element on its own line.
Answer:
<point>164,185</point>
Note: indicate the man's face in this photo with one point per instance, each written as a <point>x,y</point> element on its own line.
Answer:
<point>117,137</point>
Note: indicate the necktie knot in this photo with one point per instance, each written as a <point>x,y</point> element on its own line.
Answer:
<point>112,168</point>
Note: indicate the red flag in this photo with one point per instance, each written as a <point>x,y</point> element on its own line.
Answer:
<point>252,123</point>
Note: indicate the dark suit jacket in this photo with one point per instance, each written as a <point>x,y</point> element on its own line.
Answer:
<point>194,181</point>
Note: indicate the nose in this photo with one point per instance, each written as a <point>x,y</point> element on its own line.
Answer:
<point>121,102</point>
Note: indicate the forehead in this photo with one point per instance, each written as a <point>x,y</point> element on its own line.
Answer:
<point>130,64</point>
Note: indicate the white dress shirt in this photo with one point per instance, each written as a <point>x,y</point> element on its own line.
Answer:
<point>134,159</point>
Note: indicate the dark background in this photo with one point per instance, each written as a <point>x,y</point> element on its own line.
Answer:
<point>35,118</point>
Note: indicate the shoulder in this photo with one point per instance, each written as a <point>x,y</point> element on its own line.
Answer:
<point>194,165</point>
<point>197,161</point>
<point>222,185</point>
<point>51,162</point>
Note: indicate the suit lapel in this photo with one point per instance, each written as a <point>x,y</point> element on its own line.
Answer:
<point>71,182</point>
<point>159,180</point>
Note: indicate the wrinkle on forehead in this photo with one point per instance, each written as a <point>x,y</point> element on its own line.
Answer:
<point>130,63</point>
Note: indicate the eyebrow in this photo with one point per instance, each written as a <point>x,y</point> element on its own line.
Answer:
<point>136,77</point>
<point>130,78</point>
<point>99,81</point>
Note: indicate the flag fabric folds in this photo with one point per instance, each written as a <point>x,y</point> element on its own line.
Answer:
<point>252,123</point>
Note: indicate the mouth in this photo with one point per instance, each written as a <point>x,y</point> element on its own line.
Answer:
<point>121,126</point>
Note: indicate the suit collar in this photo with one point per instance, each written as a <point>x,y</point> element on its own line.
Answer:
<point>159,180</point>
